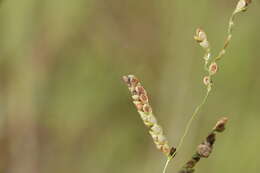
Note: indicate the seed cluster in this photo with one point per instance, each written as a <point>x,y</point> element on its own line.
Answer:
<point>212,68</point>
<point>201,38</point>
<point>140,100</point>
<point>205,148</point>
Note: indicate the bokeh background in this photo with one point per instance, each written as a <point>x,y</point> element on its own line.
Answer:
<point>64,108</point>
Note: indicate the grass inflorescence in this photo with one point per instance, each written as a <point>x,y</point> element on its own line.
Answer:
<point>141,101</point>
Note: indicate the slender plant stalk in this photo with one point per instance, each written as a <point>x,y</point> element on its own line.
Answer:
<point>141,101</point>
<point>166,164</point>
<point>191,120</point>
<point>211,69</point>
<point>170,157</point>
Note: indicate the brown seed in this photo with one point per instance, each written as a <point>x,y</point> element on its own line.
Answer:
<point>143,98</point>
<point>139,106</point>
<point>220,126</point>
<point>140,90</point>
<point>172,151</point>
<point>211,138</point>
<point>133,80</point>
<point>191,163</point>
<point>165,149</point>
<point>213,68</point>
<point>204,150</point>
<point>147,108</point>
<point>206,80</point>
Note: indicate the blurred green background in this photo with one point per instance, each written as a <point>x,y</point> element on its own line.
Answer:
<point>64,108</point>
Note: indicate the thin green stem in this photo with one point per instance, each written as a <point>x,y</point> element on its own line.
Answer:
<point>187,128</point>
<point>229,36</point>
<point>167,163</point>
<point>206,58</point>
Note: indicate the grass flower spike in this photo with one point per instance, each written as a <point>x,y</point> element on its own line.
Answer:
<point>140,100</point>
<point>205,148</point>
<point>211,67</point>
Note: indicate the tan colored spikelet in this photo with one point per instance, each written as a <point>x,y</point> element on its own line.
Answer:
<point>242,5</point>
<point>141,101</point>
<point>220,125</point>
<point>213,68</point>
<point>205,148</point>
<point>201,38</point>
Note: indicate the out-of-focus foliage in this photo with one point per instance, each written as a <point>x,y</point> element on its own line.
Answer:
<point>64,108</point>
